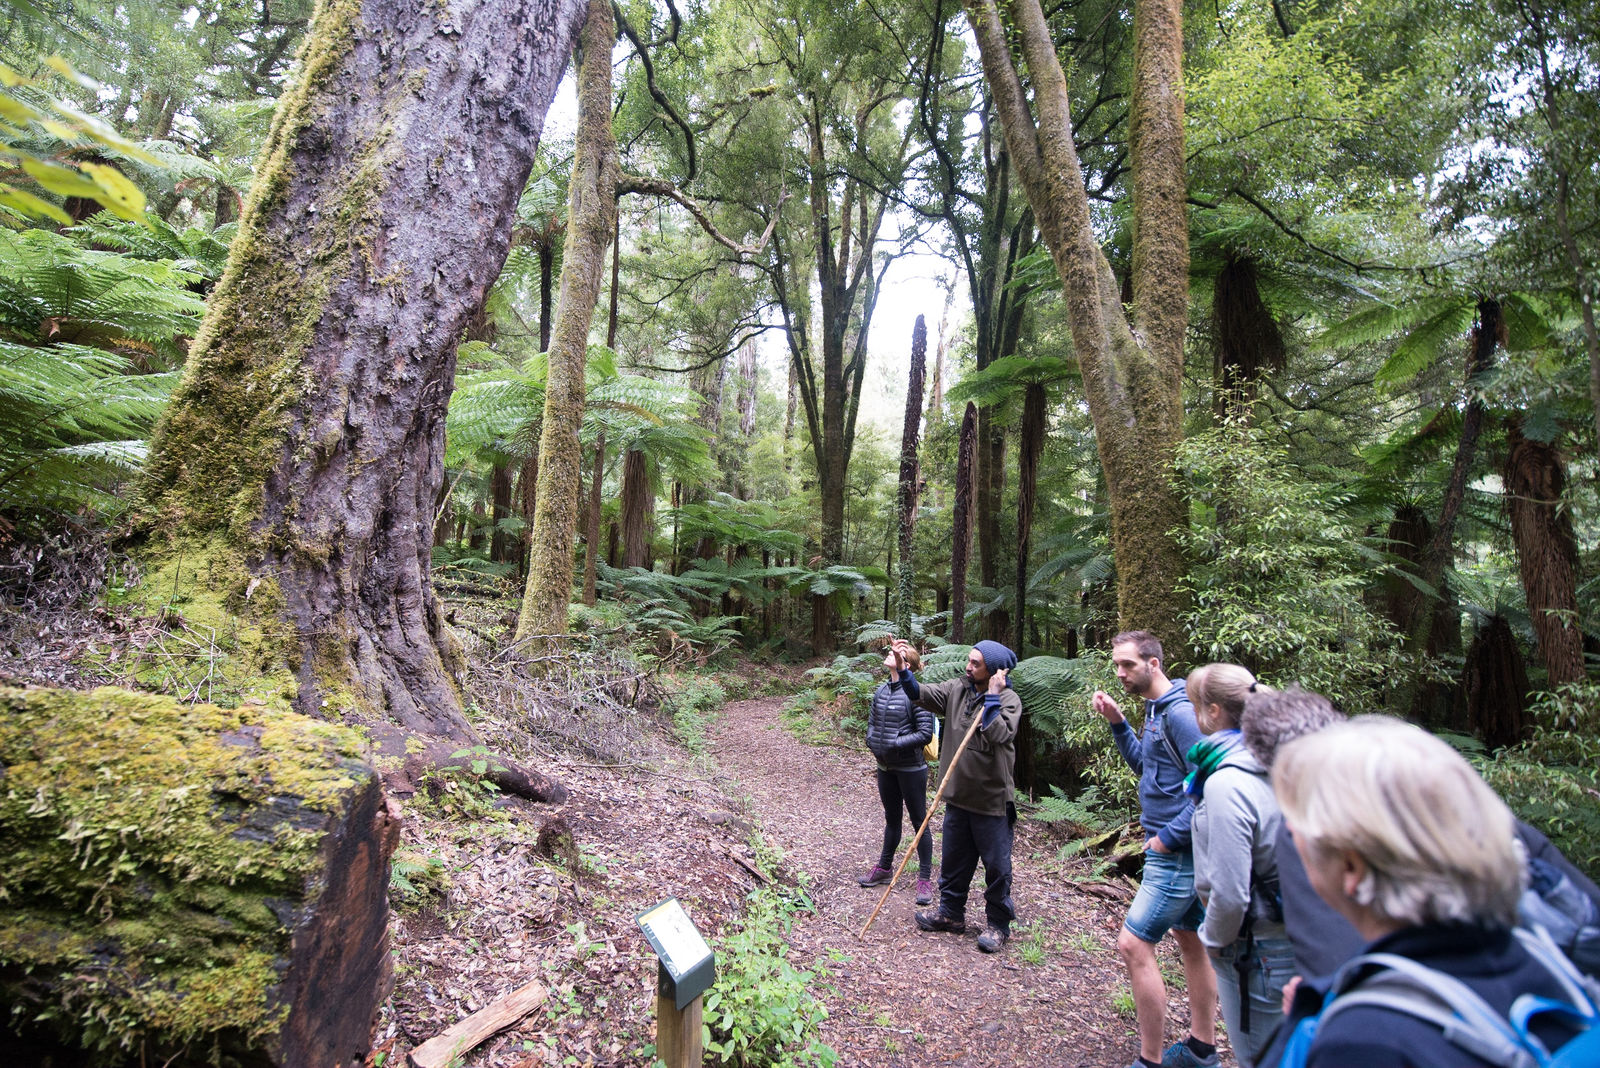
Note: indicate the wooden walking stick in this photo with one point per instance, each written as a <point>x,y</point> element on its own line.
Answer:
<point>977,718</point>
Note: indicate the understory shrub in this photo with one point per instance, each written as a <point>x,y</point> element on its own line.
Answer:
<point>1281,570</point>
<point>761,1011</point>
<point>1553,780</point>
<point>694,701</point>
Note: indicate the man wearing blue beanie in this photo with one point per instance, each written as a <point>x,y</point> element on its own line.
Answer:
<point>979,813</point>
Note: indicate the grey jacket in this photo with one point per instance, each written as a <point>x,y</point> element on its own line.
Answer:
<point>1235,832</point>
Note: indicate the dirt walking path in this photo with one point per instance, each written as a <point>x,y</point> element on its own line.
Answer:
<point>905,997</point>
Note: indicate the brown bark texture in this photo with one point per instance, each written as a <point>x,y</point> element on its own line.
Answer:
<point>961,522</point>
<point>1132,382</point>
<point>1495,685</point>
<point>1248,341</point>
<point>304,447</point>
<point>637,508</point>
<point>907,586</point>
<point>1030,445</point>
<point>1535,476</point>
<point>591,220</point>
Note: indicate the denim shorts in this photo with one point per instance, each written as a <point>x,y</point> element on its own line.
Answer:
<point>1166,897</point>
<point>1271,968</point>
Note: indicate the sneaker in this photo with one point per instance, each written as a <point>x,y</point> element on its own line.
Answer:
<point>994,939</point>
<point>1179,1055</point>
<point>924,891</point>
<point>876,877</point>
<point>938,921</point>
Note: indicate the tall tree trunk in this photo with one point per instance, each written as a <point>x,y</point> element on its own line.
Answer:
<point>591,220</point>
<point>591,540</point>
<point>303,450</point>
<point>1535,478</point>
<point>637,507</point>
<point>591,537</point>
<point>1441,550</point>
<point>1132,383</point>
<point>961,522</point>
<point>1030,444</point>
<point>907,586</point>
<point>502,543</point>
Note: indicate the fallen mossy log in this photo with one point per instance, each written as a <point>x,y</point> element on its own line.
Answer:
<point>188,885</point>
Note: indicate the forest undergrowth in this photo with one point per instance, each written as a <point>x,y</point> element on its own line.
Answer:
<point>739,788</point>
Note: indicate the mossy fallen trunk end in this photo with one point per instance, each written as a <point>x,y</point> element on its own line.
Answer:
<point>188,885</point>
<point>308,430</point>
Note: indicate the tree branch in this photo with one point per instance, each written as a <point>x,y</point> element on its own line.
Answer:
<point>650,82</point>
<point>660,187</point>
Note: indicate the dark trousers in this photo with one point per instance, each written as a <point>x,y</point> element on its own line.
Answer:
<point>968,838</point>
<point>907,791</point>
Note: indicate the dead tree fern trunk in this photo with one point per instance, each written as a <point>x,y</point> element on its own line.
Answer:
<point>907,586</point>
<point>961,522</point>
<point>302,453</point>
<point>1248,341</point>
<point>1030,444</point>
<point>1547,551</point>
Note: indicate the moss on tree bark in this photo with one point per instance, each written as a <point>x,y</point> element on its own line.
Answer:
<point>304,447</point>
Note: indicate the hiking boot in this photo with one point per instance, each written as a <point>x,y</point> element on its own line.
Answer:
<point>938,921</point>
<point>1179,1055</point>
<point>876,877</point>
<point>924,892</point>
<point>993,939</point>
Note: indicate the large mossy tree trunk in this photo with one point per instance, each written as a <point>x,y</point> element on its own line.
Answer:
<point>188,885</point>
<point>303,451</point>
<point>591,221</point>
<point>1132,372</point>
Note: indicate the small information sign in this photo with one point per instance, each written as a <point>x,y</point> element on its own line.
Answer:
<point>687,963</point>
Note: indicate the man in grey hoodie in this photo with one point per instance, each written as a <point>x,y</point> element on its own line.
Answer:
<point>1166,900</point>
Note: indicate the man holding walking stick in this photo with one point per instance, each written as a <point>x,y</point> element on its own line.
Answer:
<point>979,789</point>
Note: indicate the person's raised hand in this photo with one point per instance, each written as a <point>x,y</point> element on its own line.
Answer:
<point>997,681</point>
<point>1107,706</point>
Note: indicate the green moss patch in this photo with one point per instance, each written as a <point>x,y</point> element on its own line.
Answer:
<point>159,856</point>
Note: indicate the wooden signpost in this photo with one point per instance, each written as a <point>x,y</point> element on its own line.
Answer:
<point>687,967</point>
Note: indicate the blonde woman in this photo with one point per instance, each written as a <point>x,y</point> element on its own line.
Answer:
<point>1235,828</point>
<point>1403,839</point>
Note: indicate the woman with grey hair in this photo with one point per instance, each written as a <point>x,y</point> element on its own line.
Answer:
<point>1235,826</point>
<point>1402,838</point>
<point>1322,939</point>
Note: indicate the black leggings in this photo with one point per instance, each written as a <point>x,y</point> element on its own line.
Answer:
<point>907,790</point>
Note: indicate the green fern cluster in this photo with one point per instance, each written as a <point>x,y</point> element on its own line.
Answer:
<point>89,341</point>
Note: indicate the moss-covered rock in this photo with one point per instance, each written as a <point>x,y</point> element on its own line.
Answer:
<point>188,882</point>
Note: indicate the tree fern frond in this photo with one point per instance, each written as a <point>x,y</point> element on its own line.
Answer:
<point>1423,345</point>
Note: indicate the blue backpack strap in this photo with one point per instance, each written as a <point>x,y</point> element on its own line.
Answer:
<point>1580,1010</point>
<point>1580,989</point>
<point>1405,986</point>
